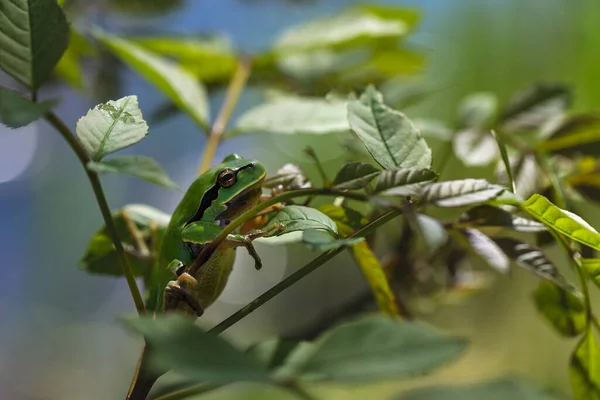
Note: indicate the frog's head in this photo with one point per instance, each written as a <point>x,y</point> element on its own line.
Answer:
<point>238,186</point>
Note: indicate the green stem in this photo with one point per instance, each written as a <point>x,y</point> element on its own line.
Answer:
<point>84,158</point>
<point>208,250</point>
<point>301,273</point>
<point>554,182</point>
<point>188,392</point>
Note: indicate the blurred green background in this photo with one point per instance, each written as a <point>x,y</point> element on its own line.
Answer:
<point>59,332</point>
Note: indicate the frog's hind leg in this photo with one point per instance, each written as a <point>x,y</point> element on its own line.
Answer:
<point>181,291</point>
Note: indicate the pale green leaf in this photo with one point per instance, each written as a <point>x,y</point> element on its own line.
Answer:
<point>33,36</point>
<point>403,181</point>
<point>208,59</point>
<point>289,177</point>
<point>526,173</point>
<point>532,259</point>
<point>175,82</point>
<point>562,309</point>
<point>494,217</point>
<point>350,28</point>
<point>474,147</point>
<point>432,231</point>
<point>182,346</point>
<point>346,219</point>
<point>499,389</point>
<point>373,348</point>
<point>323,240</point>
<point>111,126</point>
<point>294,115</point>
<point>584,369</point>
<point>388,135</point>
<point>531,108</point>
<point>579,134</point>
<point>247,391</point>
<point>300,218</point>
<point>563,221</point>
<point>460,193</point>
<point>142,167</point>
<point>17,111</point>
<point>433,129</point>
<point>355,175</point>
<point>592,268</point>
<point>100,256</point>
<point>478,110</point>
<point>486,249</point>
<point>506,161</point>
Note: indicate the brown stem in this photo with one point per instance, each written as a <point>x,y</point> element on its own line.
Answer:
<point>234,90</point>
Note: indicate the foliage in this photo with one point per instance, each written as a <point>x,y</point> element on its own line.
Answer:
<point>392,179</point>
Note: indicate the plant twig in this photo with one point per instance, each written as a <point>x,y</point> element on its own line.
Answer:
<point>209,249</point>
<point>234,90</point>
<point>301,273</point>
<point>188,391</point>
<point>84,158</point>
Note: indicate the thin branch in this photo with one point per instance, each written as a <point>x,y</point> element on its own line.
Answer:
<point>84,158</point>
<point>188,391</point>
<point>301,273</point>
<point>234,90</point>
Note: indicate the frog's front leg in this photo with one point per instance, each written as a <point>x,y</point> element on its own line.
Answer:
<point>180,292</point>
<point>236,240</point>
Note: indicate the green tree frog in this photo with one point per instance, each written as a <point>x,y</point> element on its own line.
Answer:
<point>214,199</point>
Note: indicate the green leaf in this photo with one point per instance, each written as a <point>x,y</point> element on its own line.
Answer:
<point>531,108</point>
<point>69,68</point>
<point>353,27</point>
<point>208,59</point>
<point>494,217</point>
<point>562,309</point>
<point>506,161</point>
<point>584,369</point>
<point>388,135</point>
<point>290,177</point>
<point>34,35</point>
<point>100,256</point>
<point>433,129</point>
<point>322,240</point>
<point>372,348</point>
<point>526,174</point>
<point>592,268</point>
<point>403,181</point>
<point>579,134</point>
<point>486,249</point>
<point>175,82</point>
<point>200,232</point>
<point>273,352</point>
<point>111,126</point>
<point>294,115</point>
<point>376,278</point>
<point>460,193</point>
<point>180,345</point>
<point>355,175</point>
<point>247,391</point>
<point>431,231</point>
<point>17,111</point>
<point>498,389</point>
<point>300,218</point>
<point>533,260</point>
<point>139,166</point>
<point>475,147</point>
<point>563,221</point>
<point>478,110</point>
<point>346,219</point>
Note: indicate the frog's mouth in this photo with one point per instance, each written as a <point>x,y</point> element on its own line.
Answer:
<point>241,203</point>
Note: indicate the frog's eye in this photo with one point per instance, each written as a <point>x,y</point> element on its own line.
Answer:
<point>226,178</point>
